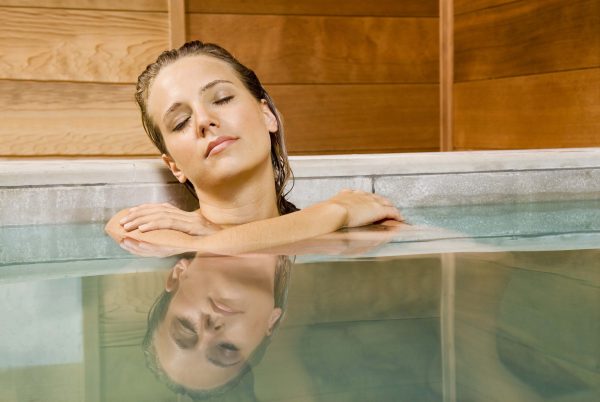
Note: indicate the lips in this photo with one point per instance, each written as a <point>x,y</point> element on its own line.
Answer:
<point>218,144</point>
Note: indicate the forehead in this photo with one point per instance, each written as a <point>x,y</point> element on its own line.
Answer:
<point>185,76</point>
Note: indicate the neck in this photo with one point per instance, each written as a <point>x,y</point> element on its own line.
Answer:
<point>241,199</point>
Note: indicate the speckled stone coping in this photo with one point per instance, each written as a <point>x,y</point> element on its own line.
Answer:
<point>91,190</point>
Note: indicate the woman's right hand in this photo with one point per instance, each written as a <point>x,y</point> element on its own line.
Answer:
<point>148,217</point>
<point>364,208</point>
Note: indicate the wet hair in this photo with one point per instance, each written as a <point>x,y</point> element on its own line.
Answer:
<point>243,382</point>
<point>279,158</point>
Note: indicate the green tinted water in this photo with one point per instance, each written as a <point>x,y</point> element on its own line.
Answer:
<point>478,326</point>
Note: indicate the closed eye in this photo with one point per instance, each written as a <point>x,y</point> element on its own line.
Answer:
<point>224,100</point>
<point>183,333</point>
<point>180,126</point>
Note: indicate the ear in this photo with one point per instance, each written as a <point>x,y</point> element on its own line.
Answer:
<point>275,316</point>
<point>270,120</point>
<point>179,175</point>
<point>173,279</point>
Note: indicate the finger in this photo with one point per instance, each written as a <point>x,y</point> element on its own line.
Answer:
<point>146,209</point>
<point>158,220</point>
<point>144,249</point>
<point>166,223</point>
<point>393,213</point>
<point>383,200</point>
<point>130,245</point>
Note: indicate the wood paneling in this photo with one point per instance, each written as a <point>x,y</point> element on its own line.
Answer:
<point>49,383</point>
<point>527,37</point>
<point>446,73</point>
<point>177,28</point>
<point>539,111</point>
<point>386,8</point>
<point>140,5</point>
<point>465,6</point>
<point>292,49</point>
<point>76,45</point>
<point>359,118</point>
<point>50,118</point>
<point>95,119</point>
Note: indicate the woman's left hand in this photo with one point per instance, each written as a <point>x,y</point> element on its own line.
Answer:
<point>148,217</point>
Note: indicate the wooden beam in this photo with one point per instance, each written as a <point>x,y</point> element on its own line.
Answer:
<point>177,28</point>
<point>446,73</point>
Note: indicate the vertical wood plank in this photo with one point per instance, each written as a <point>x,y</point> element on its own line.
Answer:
<point>91,340</point>
<point>446,73</point>
<point>177,20</point>
<point>448,347</point>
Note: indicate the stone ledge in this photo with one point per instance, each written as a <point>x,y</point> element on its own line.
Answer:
<point>41,172</point>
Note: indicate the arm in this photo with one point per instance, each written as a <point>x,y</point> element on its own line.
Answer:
<point>147,217</point>
<point>348,208</point>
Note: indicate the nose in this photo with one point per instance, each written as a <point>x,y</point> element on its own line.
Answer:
<point>213,323</point>
<point>205,121</point>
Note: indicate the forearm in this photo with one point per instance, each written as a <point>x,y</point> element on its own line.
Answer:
<point>313,221</point>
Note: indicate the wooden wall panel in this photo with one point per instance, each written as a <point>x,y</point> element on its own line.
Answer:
<point>50,119</point>
<point>325,119</point>
<point>384,8</point>
<point>294,49</point>
<point>538,111</point>
<point>465,6</point>
<point>79,45</point>
<point>53,118</point>
<point>527,37</point>
<point>140,5</point>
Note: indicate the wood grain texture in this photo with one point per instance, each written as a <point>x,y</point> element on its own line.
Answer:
<point>50,118</point>
<point>125,301</point>
<point>465,6</point>
<point>292,49</point>
<point>140,5</point>
<point>521,295</point>
<point>540,111</point>
<point>177,21</point>
<point>326,119</point>
<point>75,45</point>
<point>388,8</point>
<point>78,119</point>
<point>446,73</point>
<point>527,37</point>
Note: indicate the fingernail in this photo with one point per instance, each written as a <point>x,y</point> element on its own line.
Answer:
<point>142,227</point>
<point>127,225</point>
<point>123,220</point>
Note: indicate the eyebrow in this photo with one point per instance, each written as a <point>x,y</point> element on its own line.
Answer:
<point>176,105</point>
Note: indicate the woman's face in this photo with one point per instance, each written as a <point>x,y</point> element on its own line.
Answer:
<point>220,312</point>
<point>214,129</point>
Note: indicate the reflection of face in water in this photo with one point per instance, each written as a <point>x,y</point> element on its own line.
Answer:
<point>220,310</point>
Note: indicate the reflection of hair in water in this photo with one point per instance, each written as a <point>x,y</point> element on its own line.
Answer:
<point>244,380</point>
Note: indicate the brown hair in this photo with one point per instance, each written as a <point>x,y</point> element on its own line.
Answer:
<point>244,378</point>
<point>279,159</point>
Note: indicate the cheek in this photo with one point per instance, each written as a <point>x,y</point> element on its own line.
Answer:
<point>180,149</point>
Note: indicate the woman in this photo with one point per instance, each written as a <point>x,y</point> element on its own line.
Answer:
<point>214,321</point>
<point>221,135</point>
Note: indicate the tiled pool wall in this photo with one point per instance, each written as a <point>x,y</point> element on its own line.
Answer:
<point>67,191</point>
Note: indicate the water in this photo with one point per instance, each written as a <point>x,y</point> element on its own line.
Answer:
<point>479,310</point>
